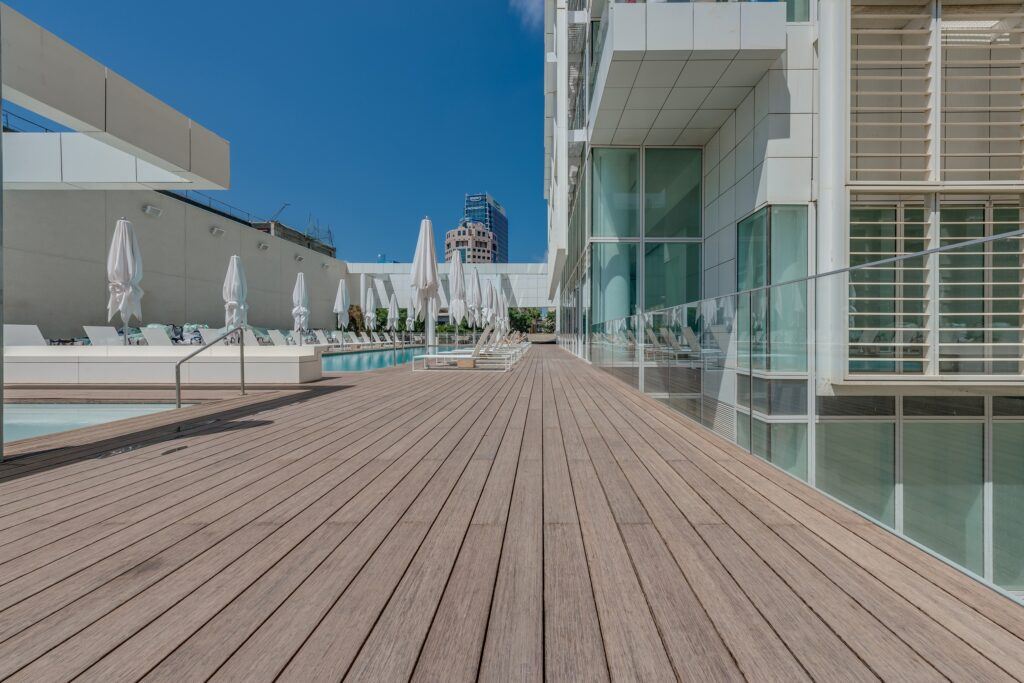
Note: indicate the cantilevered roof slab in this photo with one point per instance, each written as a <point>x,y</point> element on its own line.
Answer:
<point>671,73</point>
<point>46,75</point>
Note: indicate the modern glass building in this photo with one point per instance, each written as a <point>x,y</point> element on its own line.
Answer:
<point>483,208</point>
<point>800,225</point>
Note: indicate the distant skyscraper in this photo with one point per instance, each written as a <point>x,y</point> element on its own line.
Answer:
<point>483,208</point>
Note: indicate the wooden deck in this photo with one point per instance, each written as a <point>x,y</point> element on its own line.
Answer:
<point>544,523</point>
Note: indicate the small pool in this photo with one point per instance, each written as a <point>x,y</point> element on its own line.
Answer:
<point>361,361</point>
<point>25,420</point>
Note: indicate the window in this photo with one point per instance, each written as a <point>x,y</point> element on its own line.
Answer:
<point>615,211</point>
<point>614,282</point>
<point>856,463</point>
<point>671,274</point>
<point>1008,504</point>
<point>672,193</point>
<point>771,247</point>
<point>942,489</point>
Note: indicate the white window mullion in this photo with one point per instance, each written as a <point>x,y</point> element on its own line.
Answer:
<point>933,318</point>
<point>935,89</point>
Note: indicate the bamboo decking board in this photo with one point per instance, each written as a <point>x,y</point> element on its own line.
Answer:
<point>548,523</point>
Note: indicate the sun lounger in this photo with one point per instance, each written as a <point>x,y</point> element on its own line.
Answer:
<point>23,335</point>
<point>367,341</point>
<point>102,335</point>
<point>352,340</point>
<point>376,339</point>
<point>321,338</point>
<point>277,338</point>
<point>250,337</point>
<point>156,336</point>
<point>209,334</point>
<point>490,353</point>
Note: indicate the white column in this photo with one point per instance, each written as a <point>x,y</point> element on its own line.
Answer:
<point>833,213</point>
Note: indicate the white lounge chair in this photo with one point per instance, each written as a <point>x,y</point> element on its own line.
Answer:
<point>102,335</point>
<point>250,337</point>
<point>352,340</point>
<point>23,335</point>
<point>321,338</point>
<point>277,338</point>
<point>156,336</point>
<point>366,340</point>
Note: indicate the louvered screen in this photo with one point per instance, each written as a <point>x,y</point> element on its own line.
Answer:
<point>890,91</point>
<point>889,305</point>
<point>982,92</point>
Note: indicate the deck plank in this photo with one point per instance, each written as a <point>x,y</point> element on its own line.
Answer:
<point>547,523</point>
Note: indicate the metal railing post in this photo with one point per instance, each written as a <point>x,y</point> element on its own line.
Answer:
<point>241,358</point>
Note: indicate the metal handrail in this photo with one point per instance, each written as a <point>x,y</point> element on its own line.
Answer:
<point>241,361</point>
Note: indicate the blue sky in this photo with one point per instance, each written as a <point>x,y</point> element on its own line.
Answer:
<point>366,115</point>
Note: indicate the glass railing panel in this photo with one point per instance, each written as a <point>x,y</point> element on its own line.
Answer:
<point>772,369</point>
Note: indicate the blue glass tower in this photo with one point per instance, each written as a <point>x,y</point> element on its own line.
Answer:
<point>485,209</point>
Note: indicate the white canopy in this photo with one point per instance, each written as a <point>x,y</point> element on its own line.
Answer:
<point>124,273</point>
<point>370,310</point>
<point>424,280</point>
<point>393,313</point>
<point>457,287</point>
<point>236,311</point>
<point>300,304</point>
<point>341,304</point>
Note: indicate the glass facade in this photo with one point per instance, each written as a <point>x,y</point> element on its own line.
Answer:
<point>946,471</point>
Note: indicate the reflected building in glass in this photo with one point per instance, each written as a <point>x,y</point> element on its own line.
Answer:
<point>808,238</point>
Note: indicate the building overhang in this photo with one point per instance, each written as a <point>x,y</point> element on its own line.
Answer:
<point>672,73</point>
<point>50,77</point>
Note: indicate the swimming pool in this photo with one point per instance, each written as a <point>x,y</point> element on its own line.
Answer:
<point>25,420</point>
<point>361,361</point>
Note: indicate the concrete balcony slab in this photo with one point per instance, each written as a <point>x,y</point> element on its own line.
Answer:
<point>680,67</point>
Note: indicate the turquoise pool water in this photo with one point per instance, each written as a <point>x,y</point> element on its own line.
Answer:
<point>25,420</point>
<point>361,361</point>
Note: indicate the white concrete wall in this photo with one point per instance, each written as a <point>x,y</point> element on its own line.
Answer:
<point>55,252</point>
<point>525,284</point>
<point>763,154</point>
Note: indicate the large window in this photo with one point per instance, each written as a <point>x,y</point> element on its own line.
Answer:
<point>1008,504</point>
<point>672,201</point>
<point>942,489</point>
<point>771,249</point>
<point>671,273</point>
<point>614,280</point>
<point>616,192</point>
<point>856,463</point>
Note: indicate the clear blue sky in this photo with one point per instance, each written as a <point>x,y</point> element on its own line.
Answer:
<point>366,114</point>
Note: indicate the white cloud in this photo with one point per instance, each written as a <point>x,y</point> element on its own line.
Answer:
<point>531,12</point>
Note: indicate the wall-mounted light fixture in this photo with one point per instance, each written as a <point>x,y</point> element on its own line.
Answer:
<point>154,211</point>
<point>300,258</point>
<point>216,230</point>
<point>262,246</point>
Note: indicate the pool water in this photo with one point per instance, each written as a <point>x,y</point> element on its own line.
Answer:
<point>361,361</point>
<point>26,420</point>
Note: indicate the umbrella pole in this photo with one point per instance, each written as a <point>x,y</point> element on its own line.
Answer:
<point>126,333</point>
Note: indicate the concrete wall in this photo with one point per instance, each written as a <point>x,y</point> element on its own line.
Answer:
<point>56,246</point>
<point>525,284</point>
<point>763,154</point>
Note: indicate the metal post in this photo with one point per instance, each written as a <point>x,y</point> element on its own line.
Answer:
<point>177,385</point>
<point>241,358</point>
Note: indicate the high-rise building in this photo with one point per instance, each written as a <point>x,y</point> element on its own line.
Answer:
<point>483,208</point>
<point>800,224</point>
<point>475,242</point>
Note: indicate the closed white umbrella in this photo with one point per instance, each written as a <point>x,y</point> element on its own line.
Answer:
<point>503,311</point>
<point>370,310</point>
<point>124,273</point>
<point>490,304</point>
<point>341,304</point>
<point>236,311</point>
<point>472,301</point>
<point>457,284</point>
<point>424,280</point>
<point>393,316</point>
<point>300,305</point>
